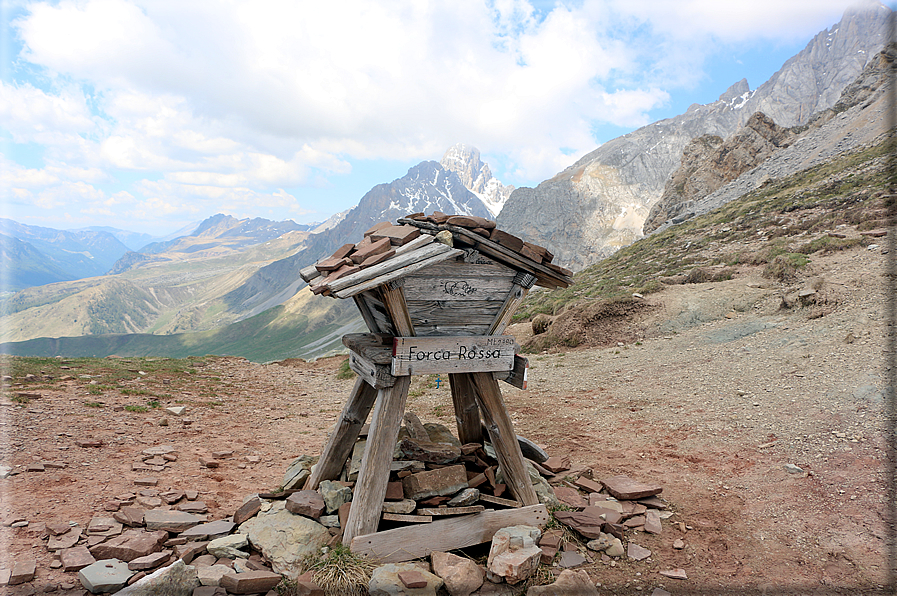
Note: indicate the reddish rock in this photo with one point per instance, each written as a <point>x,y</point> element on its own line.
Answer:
<point>306,586</point>
<point>209,462</point>
<point>441,482</point>
<point>130,545</point>
<point>250,582</point>
<point>150,561</point>
<point>146,481</point>
<point>652,522</point>
<point>678,573</point>
<point>186,552</point>
<point>89,443</point>
<point>412,579</point>
<point>76,558</point>
<point>588,485</point>
<point>394,492</point>
<point>57,529</point>
<point>556,464</point>
<point>548,554</point>
<point>67,540</point>
<point>309,503</point>
<point>22,571</point>
<point>129,516</point>
<point>551,539</point>
<point>634,551</point>
<point>172,496</point>
<point>247,510</point>
<point>624,487</point>
<point>193,507</point>
<point>570,496</point>
<point>584,523</point>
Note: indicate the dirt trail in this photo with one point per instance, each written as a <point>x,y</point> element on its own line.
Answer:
<point>724,390</point>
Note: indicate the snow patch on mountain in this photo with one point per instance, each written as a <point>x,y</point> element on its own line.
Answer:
<point>476,176</point>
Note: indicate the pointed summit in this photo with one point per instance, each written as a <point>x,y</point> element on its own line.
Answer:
<point>465,161</point>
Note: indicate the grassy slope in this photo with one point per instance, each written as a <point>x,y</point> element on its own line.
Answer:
<point>278,333</point>
<point>791,218</point>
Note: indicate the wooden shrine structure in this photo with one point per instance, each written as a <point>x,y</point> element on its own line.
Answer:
<point>436,293</point>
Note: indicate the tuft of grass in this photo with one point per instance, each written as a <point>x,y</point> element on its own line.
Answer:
<point>94,404</point>
<point>20,399</point>
<point>136,409</point>
<point>344,371</point>
<point>784,268</point>
<point>339,572</point>
<point>153,404</point>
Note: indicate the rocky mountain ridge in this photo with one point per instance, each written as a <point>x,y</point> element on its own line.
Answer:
<point>600,203</point>
<point>475,174</point>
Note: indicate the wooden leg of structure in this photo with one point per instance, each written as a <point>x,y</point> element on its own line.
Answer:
<point>342,439</point>
<point>467,413</point>
<point>501,431</point>
<point>364,515</point>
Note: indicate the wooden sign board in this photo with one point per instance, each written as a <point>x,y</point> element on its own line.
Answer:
<point>452,354</point>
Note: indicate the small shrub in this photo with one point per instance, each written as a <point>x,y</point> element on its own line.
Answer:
<point>344,371</point>
<point>784,268</point>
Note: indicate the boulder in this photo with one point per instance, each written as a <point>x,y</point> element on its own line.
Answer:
<point>568,583</point>
<point>513,555</point>
<point>178,579</point>
<point>462,576</point>
<point>385,581</point>
<point>283,538</point>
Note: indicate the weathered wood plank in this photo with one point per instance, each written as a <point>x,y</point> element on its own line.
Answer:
<point>393,297</point>
<point>447,511</point>
<point>438,312</point>
<point>504,441</point>
<point>407,519</point>
<point>342,439</point>
<point>427,355</point>
<point>414,542</point>
<point>397,262</point>
<point>376,347</point>
<point>467,412</point>
<point>458,287</point>
<point>375,465</point>
<point>375,375</point>
<point>499,501</point>
<point>309,273</point>
<point>516,377</point>
<point>437,330</point>
<point>366,314</point>
<point>436,257</point>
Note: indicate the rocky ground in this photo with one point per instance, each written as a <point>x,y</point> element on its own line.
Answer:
<point>764,425</point>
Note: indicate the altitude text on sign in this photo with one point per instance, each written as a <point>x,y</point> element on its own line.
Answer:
<point>453,354</point>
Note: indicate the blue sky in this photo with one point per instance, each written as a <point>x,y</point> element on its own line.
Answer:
<point>150,114</point>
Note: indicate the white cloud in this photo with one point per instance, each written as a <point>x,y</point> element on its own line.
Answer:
<point>229,103</point>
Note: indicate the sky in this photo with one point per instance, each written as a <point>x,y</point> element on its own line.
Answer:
<point>149,115</point>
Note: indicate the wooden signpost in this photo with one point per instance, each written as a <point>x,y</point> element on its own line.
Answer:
<point>431,307</point>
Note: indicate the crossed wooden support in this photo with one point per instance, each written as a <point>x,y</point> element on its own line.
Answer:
<point>474,394</point>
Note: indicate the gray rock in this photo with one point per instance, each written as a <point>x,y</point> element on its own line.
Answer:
<point>178,579</point>
<point>171,521</point>
<point>439,433</point>
<point>228,547</point>
<point>283,538</point>
<point>466,497</point>
<point>298,472</point>
<point>212,574</point>
<point>385,581</point>
<point>335,495</point>
<point>568,583</point>
<point>792,469</point>
<point>404,506</point>
<point>209,531</point>
<point>107,575</point>
<point>330,521</point>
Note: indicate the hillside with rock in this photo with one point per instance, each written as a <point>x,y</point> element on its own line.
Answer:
<point>600,203</point>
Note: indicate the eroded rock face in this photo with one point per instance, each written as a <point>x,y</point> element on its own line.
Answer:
<point>600,203</point>
<point>284,538</point>
<point>708,162</point>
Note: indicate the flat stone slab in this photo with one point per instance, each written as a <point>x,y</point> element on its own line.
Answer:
<point>624,487</point>
<point>209,530</point>
<point>107,575</point>
<point>634,551</point>
<point>22,571</point>
<point>250,582</point>
<point>177,579</point>
<point>150,561</point>
<point>171,521</point>
<point>67,540</point>
<point>76,558</point>
<point>247,510</point>
<point>130,545</point>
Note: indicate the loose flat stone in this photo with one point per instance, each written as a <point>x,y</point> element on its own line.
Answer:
<point>677,573</point>
<point>210,575</point>
<point>636,552</point>
<point>67,540</point>
<point>204,560</point>
<point>193,507</point>
<point>130,545</point>
<point>158,450</point>
<point>209,462</point>
<point>465,498</point>
<point>150,561</point>
<point>793,469</point>
<point>570,559</point>
<point>107,575</point>
<point>654,503</point>
<point>171,521</point>
<point>191,495</point>
<point>247,510</point>
<point>678,544</point>
<point>209,530</point>
<point>148,502</point>
<point>404,506</point>
<point>129,516</point>
<point>435,453</point>
<point>176,410</point>
<point>146,481</point>
<point>298,472</point>
<point>187,552</point>
<point>309,503</point>
<point>584,523</point>
<point>570,496</point>
<point>171,496</point>
<point>223,454</point>
<point>652,522</point>
<point>23,570</point>
<point>440,482</point>
<point>89,443</point>
<point>556,464</point>
<point>76,558</point>
<point>104,526</point>
<point>229,546</point>
<point>624,487</point>
<point>250,582</point>
<point>58,528</point>
<point>156,460</point>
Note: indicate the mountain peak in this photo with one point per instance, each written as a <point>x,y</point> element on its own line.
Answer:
<point>464,160</point>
